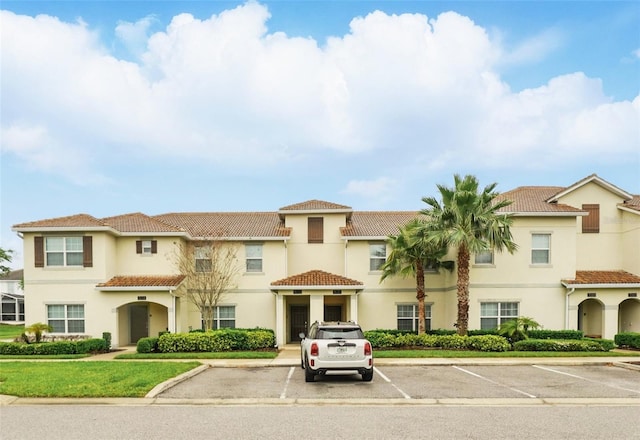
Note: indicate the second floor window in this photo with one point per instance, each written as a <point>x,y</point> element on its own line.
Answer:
<point>315,230</point>
<point>63,251</point>
<point>591,223</point>
<point>540,248</point>
<point>377,255</point>
<point>203,259</point>
<point>146,247</point>
<point>253,253</point>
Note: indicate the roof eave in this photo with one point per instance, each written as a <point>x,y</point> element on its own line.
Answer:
<point>66,229</point>
<point>328,287</point>
<point>136,288</point>
<point>546,214</point>
<point>601,286</point>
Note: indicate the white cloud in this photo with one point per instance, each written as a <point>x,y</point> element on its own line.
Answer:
<point>225,90</point>
<point>380,189</point>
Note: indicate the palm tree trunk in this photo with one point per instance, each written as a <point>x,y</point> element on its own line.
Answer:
<point>463,290</point>
<point>420,296</point>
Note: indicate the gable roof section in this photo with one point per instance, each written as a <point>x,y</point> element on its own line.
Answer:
<point>315,279</point>
<point>534,200</point>
<point>602,278</point>
<point>78,221</point>
<point>589,179</point>
<point>229,225</point>
<point>376,224</point>
<point>143,282</point>
<point>631,205</point>
<point>140,223</point>
<point>316,205</point>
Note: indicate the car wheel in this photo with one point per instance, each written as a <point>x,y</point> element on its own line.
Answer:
<point>309,376</point>
<point>368,376</point>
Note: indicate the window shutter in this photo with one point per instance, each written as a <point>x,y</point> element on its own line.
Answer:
<point>87,251</point>
<point>138,246</point>
<point>591,222</point>
<point>315,230</point>
<point>38,244</point>
<point>154,246</point>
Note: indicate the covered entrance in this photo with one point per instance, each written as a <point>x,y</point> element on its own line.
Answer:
<point>140,320</point>
<point>590,318</point>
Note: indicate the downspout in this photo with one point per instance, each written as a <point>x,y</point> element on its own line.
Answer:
<point>346,269</point>
<point>566,307</point>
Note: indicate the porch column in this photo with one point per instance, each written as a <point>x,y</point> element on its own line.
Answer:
<point>171,314</point>
<point>610,324</point>
<point>280,320</point>
<point>353,300</point>
<point>316,308</point>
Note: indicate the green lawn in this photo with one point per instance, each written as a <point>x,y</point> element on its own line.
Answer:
<point>8,331</point>
<point>86,379</point>
<point>488,354</point>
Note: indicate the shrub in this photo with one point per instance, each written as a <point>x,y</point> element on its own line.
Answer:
<point>607,344</point>
<point>556,334</point>
<point>488,343</point>
<point>94,345</point>
<point>627,339</point>
<point>147,345</point>
<point>50,348</point>
<point>107,340</point>
<point>217,340</point>
<point>557,345</point>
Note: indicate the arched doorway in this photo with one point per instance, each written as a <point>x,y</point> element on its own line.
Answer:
<point>590,320</point>
<point>141,319</point>
<point>629,315</point>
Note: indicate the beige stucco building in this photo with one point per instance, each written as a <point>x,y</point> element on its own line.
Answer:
<point>577,267</point>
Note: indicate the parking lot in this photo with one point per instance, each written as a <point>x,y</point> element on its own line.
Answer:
<point>408,383</point>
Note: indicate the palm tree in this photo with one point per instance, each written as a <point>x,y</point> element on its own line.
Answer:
<point>37,329</point>
<point>518,329</point>
<point>410,253</point>
<point>469,221</point>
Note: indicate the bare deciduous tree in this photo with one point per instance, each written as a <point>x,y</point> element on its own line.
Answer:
<point>210,268</point>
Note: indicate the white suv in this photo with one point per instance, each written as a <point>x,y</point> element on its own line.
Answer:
<point>335,346</point>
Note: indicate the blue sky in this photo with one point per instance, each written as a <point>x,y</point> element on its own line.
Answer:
<point>162,106</point>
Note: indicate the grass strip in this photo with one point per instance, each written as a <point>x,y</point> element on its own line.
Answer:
<point>202,355</point>
<point>44,356</point>
<point>8,331</point>
<point>487,354</point>
<point>86,379</point>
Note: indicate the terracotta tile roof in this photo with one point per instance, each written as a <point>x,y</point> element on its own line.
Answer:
<point>376,223</point>
<point>227,224</point>
<point>604,277</point>
<point>144,281</point>
<point>313,205</point>
<point>316,278</point>
<point>634,203</point>
<point>72,221</point>
<point>138,222</point>
<point>534,199</point>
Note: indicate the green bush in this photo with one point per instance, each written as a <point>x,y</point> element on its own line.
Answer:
<point>488,343</point>
<point>607,344</point>
<point>107,340</point>
<point>147,345</point>
<point>556,334</point>
<point>557,345</point>
<point>50,348</point>
<point>217,340</point>
<point>627,339</point>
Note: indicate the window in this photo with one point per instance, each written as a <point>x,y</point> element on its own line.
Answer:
<point>540,248</point>
<point>253,253</point>
<point>377,255</point>
<point>492,314</point>
<point>12,308</point>
<point>66,318</point>
<point>63,251</point>
<point>223,317</point>
<point>591,223</point>
<point>408,317</point>
<point>203,259</point>
<point>315,230</point>
<point>146,247</point>
<point>485,257</point>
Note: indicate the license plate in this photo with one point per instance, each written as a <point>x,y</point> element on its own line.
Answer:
<point>341,349</point>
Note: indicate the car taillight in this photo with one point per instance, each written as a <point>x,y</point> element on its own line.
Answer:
<point>367,349</point>
<point>314,349</point>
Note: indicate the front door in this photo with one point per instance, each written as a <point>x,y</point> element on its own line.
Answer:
<point>298,321</point>
<point>138,322</point>
<point>333,313</point>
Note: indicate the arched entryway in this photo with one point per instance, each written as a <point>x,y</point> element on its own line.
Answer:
<point>629,315</point>
<point>590,320</point>
<point>141,319</point>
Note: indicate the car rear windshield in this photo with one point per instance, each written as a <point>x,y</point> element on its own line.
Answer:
<point>340,333</point>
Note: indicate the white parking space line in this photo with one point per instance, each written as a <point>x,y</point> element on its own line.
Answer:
<point>283,394</point>
<point>385,378</point>
<point>494,382</point>
<point>585,379</point>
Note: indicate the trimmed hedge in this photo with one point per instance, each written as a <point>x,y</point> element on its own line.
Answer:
<point>147,345</point>
<point>555,334</point>
<point>558,345</point>
<point>49,348</point>
<point>627,339</point>
<point>382,339</point>
<point>217,340</point>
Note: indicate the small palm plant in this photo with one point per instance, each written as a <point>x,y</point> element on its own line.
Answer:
<point>37,329</point>
<point>518,329</point>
